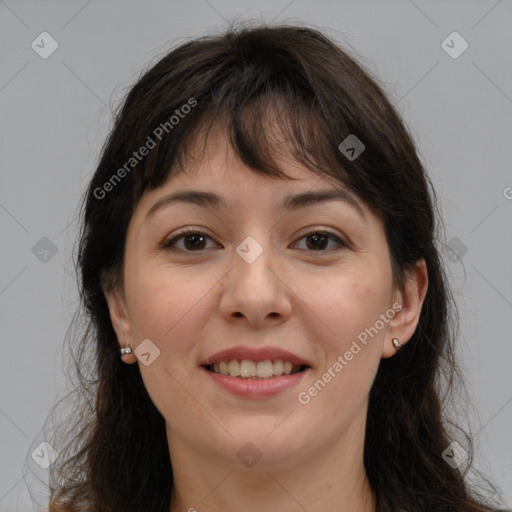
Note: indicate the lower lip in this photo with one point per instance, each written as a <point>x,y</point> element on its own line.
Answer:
<point>255,388</point>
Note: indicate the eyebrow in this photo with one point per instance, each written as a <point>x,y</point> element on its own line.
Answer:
<point>291,202</point>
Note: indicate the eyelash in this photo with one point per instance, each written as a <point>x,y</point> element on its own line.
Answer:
<point>170,244</point>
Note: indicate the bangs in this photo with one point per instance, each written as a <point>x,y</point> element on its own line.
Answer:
<point>267,128</point>
<point>258,130</point>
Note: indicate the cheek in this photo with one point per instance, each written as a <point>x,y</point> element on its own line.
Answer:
<point>165,303</point>
<point>345,304</point>
<point>350,353</point>
<point>347,311</point>
<point>149,297</point>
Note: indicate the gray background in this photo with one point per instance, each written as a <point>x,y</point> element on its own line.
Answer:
<point>56,113</point>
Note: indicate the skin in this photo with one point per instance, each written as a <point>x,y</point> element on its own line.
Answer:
<point>311,302</point>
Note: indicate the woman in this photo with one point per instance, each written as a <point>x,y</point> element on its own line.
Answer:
<point>260,238</point>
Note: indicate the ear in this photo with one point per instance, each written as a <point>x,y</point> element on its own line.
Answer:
<point>404,323</point>
<point>120,319</point>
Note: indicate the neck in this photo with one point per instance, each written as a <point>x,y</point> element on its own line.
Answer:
<point>332,480</point>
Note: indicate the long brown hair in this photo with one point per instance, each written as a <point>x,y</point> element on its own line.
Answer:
<point>114,454</point>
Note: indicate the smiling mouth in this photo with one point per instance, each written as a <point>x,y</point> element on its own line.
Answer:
<point>246,369</point>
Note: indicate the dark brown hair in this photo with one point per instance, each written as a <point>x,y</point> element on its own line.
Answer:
<point>116,456</point>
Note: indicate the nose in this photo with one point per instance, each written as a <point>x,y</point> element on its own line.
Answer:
<point>256,291</point>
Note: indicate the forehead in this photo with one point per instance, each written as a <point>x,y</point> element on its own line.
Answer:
<point>212,175</point>
<point>211,160</point>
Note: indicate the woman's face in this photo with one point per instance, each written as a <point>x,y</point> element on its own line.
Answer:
<point>262,274</point>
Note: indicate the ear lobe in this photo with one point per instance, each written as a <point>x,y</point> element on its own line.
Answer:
<point>404,323</point>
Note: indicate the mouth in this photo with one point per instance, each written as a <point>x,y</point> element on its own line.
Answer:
<point>256,370</point>
<point>255,380</point>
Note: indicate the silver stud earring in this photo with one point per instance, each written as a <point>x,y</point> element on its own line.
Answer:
<point>396,344</point>
<point>126,350</point>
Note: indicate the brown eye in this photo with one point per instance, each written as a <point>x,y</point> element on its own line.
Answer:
<point>193,241</point>
<point>319,240</point>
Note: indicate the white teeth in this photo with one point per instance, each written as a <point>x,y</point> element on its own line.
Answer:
<point>234,368</point>
<point>224,368</point>
<point>278,367</point>
<point>250,369</point>
<point>247,368</point>
<point>264,369</point>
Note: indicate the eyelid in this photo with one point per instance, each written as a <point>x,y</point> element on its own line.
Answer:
<point>340,241</point>
<point>168,243</point>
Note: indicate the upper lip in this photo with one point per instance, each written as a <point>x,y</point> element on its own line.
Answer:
<point>255,354</point>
